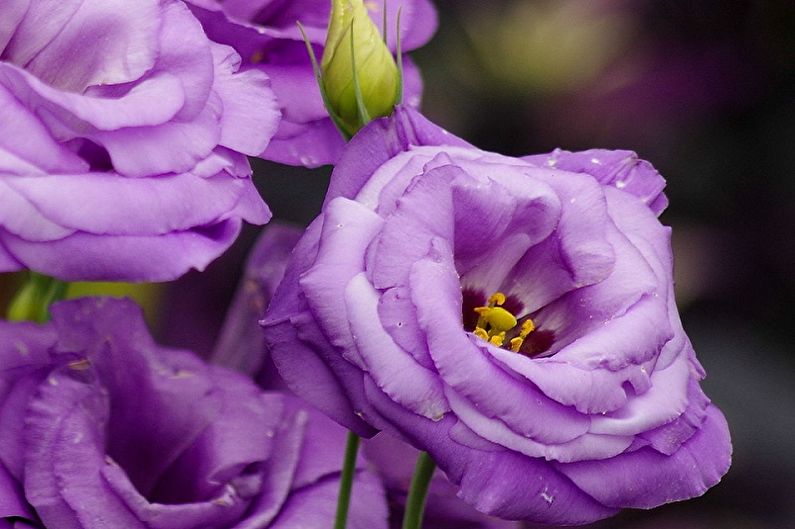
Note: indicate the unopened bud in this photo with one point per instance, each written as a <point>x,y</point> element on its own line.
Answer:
<point>360,77</point>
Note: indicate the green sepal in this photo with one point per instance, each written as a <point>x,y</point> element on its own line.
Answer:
<point>364,116</point>
<point>399,53</point>
<point>321,86</point>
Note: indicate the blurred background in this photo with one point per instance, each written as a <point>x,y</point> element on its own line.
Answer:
<point>703,89</point>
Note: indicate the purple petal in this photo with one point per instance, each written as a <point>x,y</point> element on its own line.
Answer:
<point>380,141</point>
<point>646,478</point>
<point>622,169</point>
<point>82,256</point>
<point>54,45</point>
<point>500,483</point>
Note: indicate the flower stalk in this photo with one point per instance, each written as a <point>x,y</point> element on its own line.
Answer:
<point>418,493</point>
<point>32,302</point>
<point>346,481</point>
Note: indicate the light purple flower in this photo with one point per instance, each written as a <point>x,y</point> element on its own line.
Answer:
<point>593,407</point>
<point>240,347</point>
<point>266,36</point>
<point>101,428</point>
<point>123,140</point>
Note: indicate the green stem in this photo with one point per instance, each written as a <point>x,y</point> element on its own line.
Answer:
<point>32,302</point>
<point>346,481</point>
<point>418,493</point>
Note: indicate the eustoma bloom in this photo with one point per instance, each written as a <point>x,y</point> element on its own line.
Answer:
<point>240,347</point>
<point>101,428</point>
<point>123,140</point>
<point>514,317</point>
<point>266,36</point>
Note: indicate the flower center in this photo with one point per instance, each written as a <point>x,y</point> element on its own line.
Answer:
<point>494,321</point>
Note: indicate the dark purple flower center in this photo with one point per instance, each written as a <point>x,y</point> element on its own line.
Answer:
<point>494,320</point>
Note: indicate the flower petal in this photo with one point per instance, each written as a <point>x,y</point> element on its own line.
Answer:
<point>646,478</point>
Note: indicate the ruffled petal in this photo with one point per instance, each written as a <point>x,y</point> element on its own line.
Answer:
<point>250,112</point>
<point>380,141</point>
<point>310,144</point>
<point>141,206</point>
<point>496,482</point>
<point>89,257</point>
<point>26,137</point>
<point>396,372</point>
<point>621,169</point>
<point>54,44</point>
<point>646,478</point>
<point>465,367</point>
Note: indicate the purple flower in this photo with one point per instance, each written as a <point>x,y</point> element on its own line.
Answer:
<point>513,317</point>
<point>123,140</point>
<point>100,428</point>
<point>241,346</point>
<point>266,36</point>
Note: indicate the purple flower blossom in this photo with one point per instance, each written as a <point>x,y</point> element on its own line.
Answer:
<point>266,36</point>
<point>123,140</point>
<point>513,317</point>
<point>241,347</point>
<point>100,427</point>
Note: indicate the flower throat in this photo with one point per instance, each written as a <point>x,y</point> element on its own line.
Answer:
<point>495,323</point>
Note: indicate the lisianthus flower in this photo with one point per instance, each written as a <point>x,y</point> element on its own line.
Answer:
<point>123,140</point>
<point>514,317</point>
<point>241,347</point>
<point>100,427</point>
<point>267,38</point>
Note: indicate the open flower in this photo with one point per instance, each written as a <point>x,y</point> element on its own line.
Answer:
<point>513,317</point>
<point>123,140</point>
<point>241,347</point>
<point>101,428</point>
<point>266,36</point>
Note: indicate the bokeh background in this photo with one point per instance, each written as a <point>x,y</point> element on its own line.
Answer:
<point>704,89</point>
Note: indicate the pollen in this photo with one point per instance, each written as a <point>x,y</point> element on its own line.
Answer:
<point>494,322</point>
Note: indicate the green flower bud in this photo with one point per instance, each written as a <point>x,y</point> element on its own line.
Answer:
<point>356,59</point>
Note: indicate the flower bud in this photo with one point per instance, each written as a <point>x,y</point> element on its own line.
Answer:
<point>355,54</point>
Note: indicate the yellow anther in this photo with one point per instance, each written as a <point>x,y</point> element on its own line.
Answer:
<point>481,333</point>
<point>498,299</point>
<point>497,339</point>
<point>527,327</point>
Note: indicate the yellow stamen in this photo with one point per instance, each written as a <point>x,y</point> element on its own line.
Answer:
<point>497,339</point>
<point>527,327</point>
<point>494,321</point>
<point>481,333</point>
<point>498,299</point>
